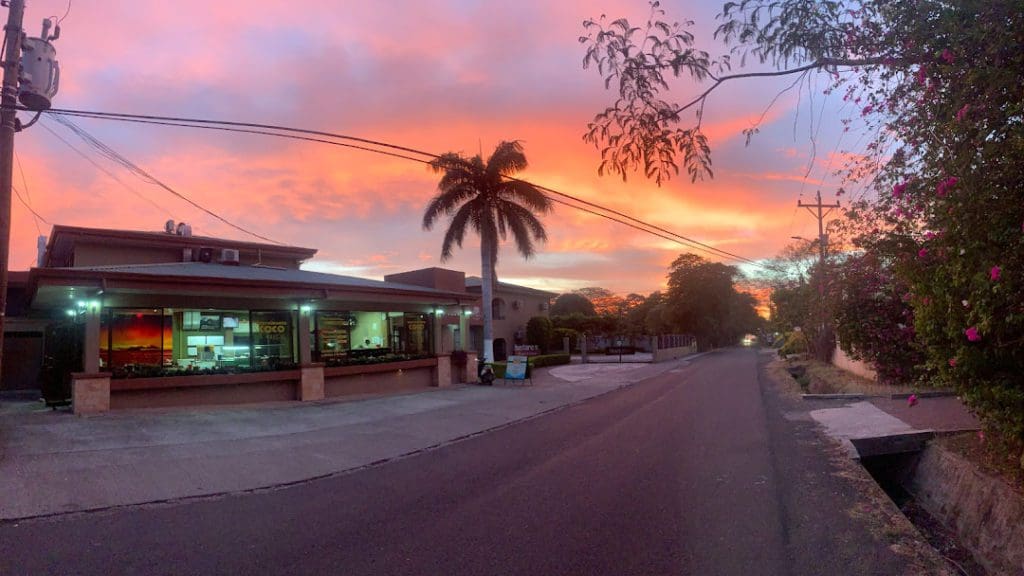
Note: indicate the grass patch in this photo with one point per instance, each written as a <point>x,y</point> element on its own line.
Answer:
<point>814,377</point>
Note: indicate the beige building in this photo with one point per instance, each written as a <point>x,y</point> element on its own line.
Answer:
<point>513,306</point>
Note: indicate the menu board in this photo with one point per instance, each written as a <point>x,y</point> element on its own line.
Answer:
<point>333,335</point>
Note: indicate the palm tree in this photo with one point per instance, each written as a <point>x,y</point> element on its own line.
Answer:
<point>482,196</point>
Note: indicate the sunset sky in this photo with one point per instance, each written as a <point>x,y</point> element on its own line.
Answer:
<point>433,75</point>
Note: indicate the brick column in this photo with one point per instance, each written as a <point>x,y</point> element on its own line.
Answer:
<point>312,385</point>
<point>443,371</point>
<point>470,368</point>
<point>90,392</point>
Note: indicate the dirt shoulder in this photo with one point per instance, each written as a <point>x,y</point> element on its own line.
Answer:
<point>831,501</point>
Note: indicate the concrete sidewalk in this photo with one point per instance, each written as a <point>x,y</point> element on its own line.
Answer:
<point>53,462</point>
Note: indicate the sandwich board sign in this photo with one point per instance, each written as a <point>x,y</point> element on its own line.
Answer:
<point>515,369</point>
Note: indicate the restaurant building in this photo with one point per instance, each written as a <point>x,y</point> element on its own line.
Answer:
<point>129,319</point>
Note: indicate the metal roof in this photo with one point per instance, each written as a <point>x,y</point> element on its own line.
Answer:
<point>246,274</point>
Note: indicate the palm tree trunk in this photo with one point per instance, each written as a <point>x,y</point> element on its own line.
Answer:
<point>487,297</point>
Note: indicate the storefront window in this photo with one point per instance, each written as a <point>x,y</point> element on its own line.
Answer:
<point>332,334</point>
<point>131,338</point>
<point>209,339</point>
<point>417,333</point>
<point>272,336</point>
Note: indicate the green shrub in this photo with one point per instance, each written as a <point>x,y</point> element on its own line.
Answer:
<point>538,332</point>
<point>796,343</point>
<point>560,334</point>
<point>534,362</point>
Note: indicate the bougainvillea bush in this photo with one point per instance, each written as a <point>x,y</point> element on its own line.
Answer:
<point>874,318</point>
<point>938,91</point>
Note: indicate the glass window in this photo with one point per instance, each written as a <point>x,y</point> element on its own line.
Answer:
<point>332,334</point>
<point>208,339</point>
<point>416,333</point>
<point>272,336</point>
<point>135,338</point>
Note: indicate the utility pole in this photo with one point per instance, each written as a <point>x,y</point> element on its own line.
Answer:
<point>820,211</point>
<point>8,102</point>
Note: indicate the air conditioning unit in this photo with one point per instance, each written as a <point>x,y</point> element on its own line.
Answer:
<point>229,256</point>
<point>206,254</point>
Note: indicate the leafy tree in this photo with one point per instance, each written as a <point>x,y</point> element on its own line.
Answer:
<point>539,332</point>
<point>567,304</point>
<point>479,195</point>
<point>940,87</point>
<point>702,300</point>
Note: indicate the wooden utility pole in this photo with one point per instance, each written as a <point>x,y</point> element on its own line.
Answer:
<point>8,102</point>
<point>818,211</point>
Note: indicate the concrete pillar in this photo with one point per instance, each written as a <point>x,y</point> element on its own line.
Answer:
<point>437,330</point>
<point>443,371</point>
<point>91,343</point>
<point>90,393</point>
<point>305,348</point>
<point>471,358</point>
<point>312,385</point>
<point>465,344</point>
<point>566,345</point>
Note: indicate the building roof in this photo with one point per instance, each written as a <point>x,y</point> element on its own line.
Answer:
<point>473,285</point>
<point>198,273</point>
<point>63,238</point>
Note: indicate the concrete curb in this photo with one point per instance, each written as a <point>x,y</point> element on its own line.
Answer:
<point>337,473</point>
<point>895,396</point>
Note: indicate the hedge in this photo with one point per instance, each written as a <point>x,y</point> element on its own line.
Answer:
<point>533,362</point>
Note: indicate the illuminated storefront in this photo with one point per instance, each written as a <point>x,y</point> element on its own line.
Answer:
<point>133,339</point>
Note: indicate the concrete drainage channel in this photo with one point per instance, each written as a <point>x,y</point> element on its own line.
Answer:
<point>973,520</point>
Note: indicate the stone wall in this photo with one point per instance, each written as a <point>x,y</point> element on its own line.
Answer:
<point>986,514</point>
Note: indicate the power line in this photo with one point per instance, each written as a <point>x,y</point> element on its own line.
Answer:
<point>103,169</point>
<point>146,176</point>
<point>275,130</point>
<point>35,217</point>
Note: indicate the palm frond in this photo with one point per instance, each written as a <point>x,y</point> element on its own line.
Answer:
<point>507,159</point>
<point>526,194</point>
<point>456,232</point>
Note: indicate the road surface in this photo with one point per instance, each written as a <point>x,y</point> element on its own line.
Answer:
<point>696,471</point>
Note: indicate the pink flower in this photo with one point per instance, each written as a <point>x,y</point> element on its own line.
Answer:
<point>972,334</point>
<point>930,235</point>
<point>922,253</point>
<point>952,362</point>
<point>867,110</point>
<point>912,401</point>
<point>947,56</point>
<point>899,189</point>
<point>943,188</point>
<point>921,75</point>
<point>994,273</point>
<point>981,436</point>
<point>962,113</point>
<point>926,300</point>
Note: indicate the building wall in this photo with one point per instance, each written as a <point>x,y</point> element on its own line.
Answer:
<point>90,254</point>
<point>378,383</point>
<point>516,318</point>
<point>106,255</point>
<point>439,278</point>
<point>279,390</point>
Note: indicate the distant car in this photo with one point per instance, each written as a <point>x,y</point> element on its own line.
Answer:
<point>748,340</point>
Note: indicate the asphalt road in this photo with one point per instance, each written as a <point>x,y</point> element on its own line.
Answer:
<point>692,472</point>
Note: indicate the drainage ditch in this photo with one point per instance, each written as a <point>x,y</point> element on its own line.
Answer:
<point>895,474</point>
